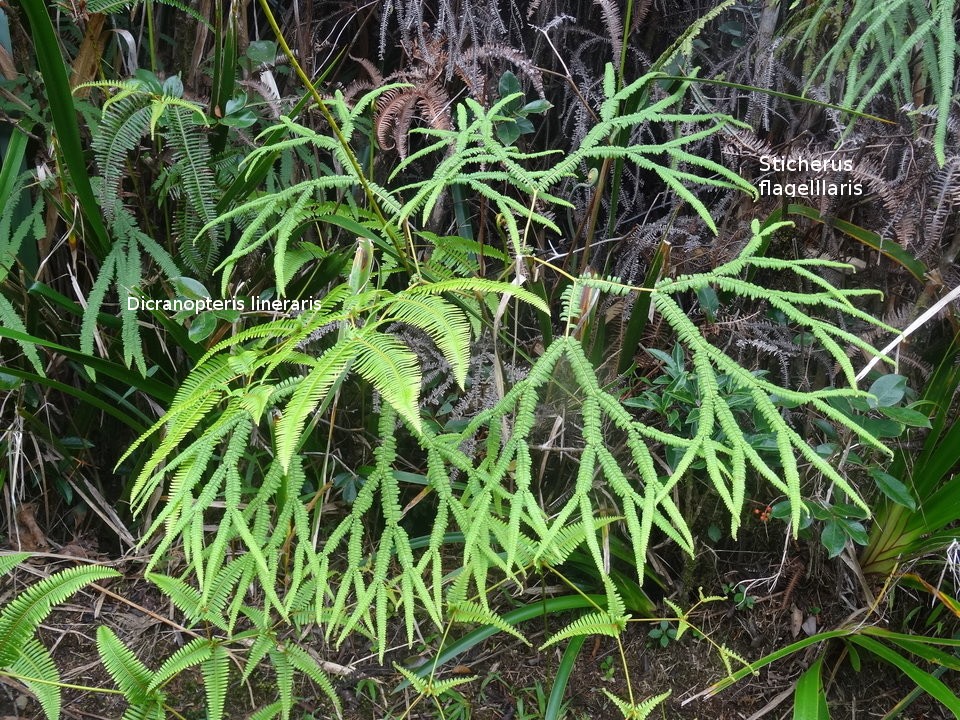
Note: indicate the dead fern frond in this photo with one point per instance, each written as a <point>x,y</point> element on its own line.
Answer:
<point>614,25</point>
<point>512,55</point>
<point>397,108</point>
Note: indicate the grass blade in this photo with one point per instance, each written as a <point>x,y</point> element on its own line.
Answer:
<point>809,699</point>
<point>569,659</point>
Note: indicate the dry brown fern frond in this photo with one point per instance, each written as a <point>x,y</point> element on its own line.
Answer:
<point>614,25</point>
<point>397,108</point>
<point>945,196</point>
<point>375,79</point>
<point>427,96</point>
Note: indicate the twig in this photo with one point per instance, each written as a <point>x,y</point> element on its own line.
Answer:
<point>937,307</point>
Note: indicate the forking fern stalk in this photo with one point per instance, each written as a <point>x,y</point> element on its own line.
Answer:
<point>267,385</point>
<point>263,381</point>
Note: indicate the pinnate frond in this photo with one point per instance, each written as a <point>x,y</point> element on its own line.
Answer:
<point>21,617</point>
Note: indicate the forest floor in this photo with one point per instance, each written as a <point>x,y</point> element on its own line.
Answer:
<point>511,680</point>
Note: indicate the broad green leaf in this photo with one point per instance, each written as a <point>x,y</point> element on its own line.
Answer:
<point>887,390</point>
<point>190,288</point>
<point>855,530</point>
<point>833,538</point>
<point>893,488</point>
<point>509,84</point>
<point>202,326</point>
<point>906,416</point>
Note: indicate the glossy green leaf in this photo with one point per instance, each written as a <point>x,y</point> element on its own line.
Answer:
<point>190,288</point>
<point>809,699</point>
<point>833,537</point>
<point>906,416</point>
<point>887,390</point>
<point>893,488</point>
<point>202,326</point>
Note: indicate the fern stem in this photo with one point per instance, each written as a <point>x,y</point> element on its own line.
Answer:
<point>68,686</point>
<point>627,22</point>
<point>150,37</point>
<point>626,669</point>
<point>335,128</point>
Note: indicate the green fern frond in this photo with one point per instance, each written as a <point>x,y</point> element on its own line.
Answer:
<point>393,370</point>
<point>888,45</point>
<point>36,669</point>
<point>443,322</point>
<point>11,241</point>
<point>301,660</point>
<point>726,655</point>
<point>10,318</point>
<point>195,652</point>
<point>186,598</point>
<point>266,567</point>
<point>224,585</point>
<point>430,686</point>
<point>216,671</point>
<point>128,277</point>
<point>308,395</point>
<point>112,7</point>
<point>132,677</point>
<point>21,617</point>
<point>947,48</point>
<point>262,644</point>
<point>284,673</point>
<point>634,711</point>
<point>480,286</point>
<point>191,155</point>
<point>471,612</point>
<point>122,127</point>
<point>9,562</point>
<point>268,712</point>
<point>598,623</point>
<point>88,327</point>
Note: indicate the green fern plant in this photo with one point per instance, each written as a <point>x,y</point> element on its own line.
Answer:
<point>218,609</point>
<point>637,711</point>
<point>13,232</point>
<point>472,151</point>
<point>142,106</point>
<point>263,377</point>
<point>473,159</point>
<point>877,48</point>
<point>22,656</point>
<point>142,688</point>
